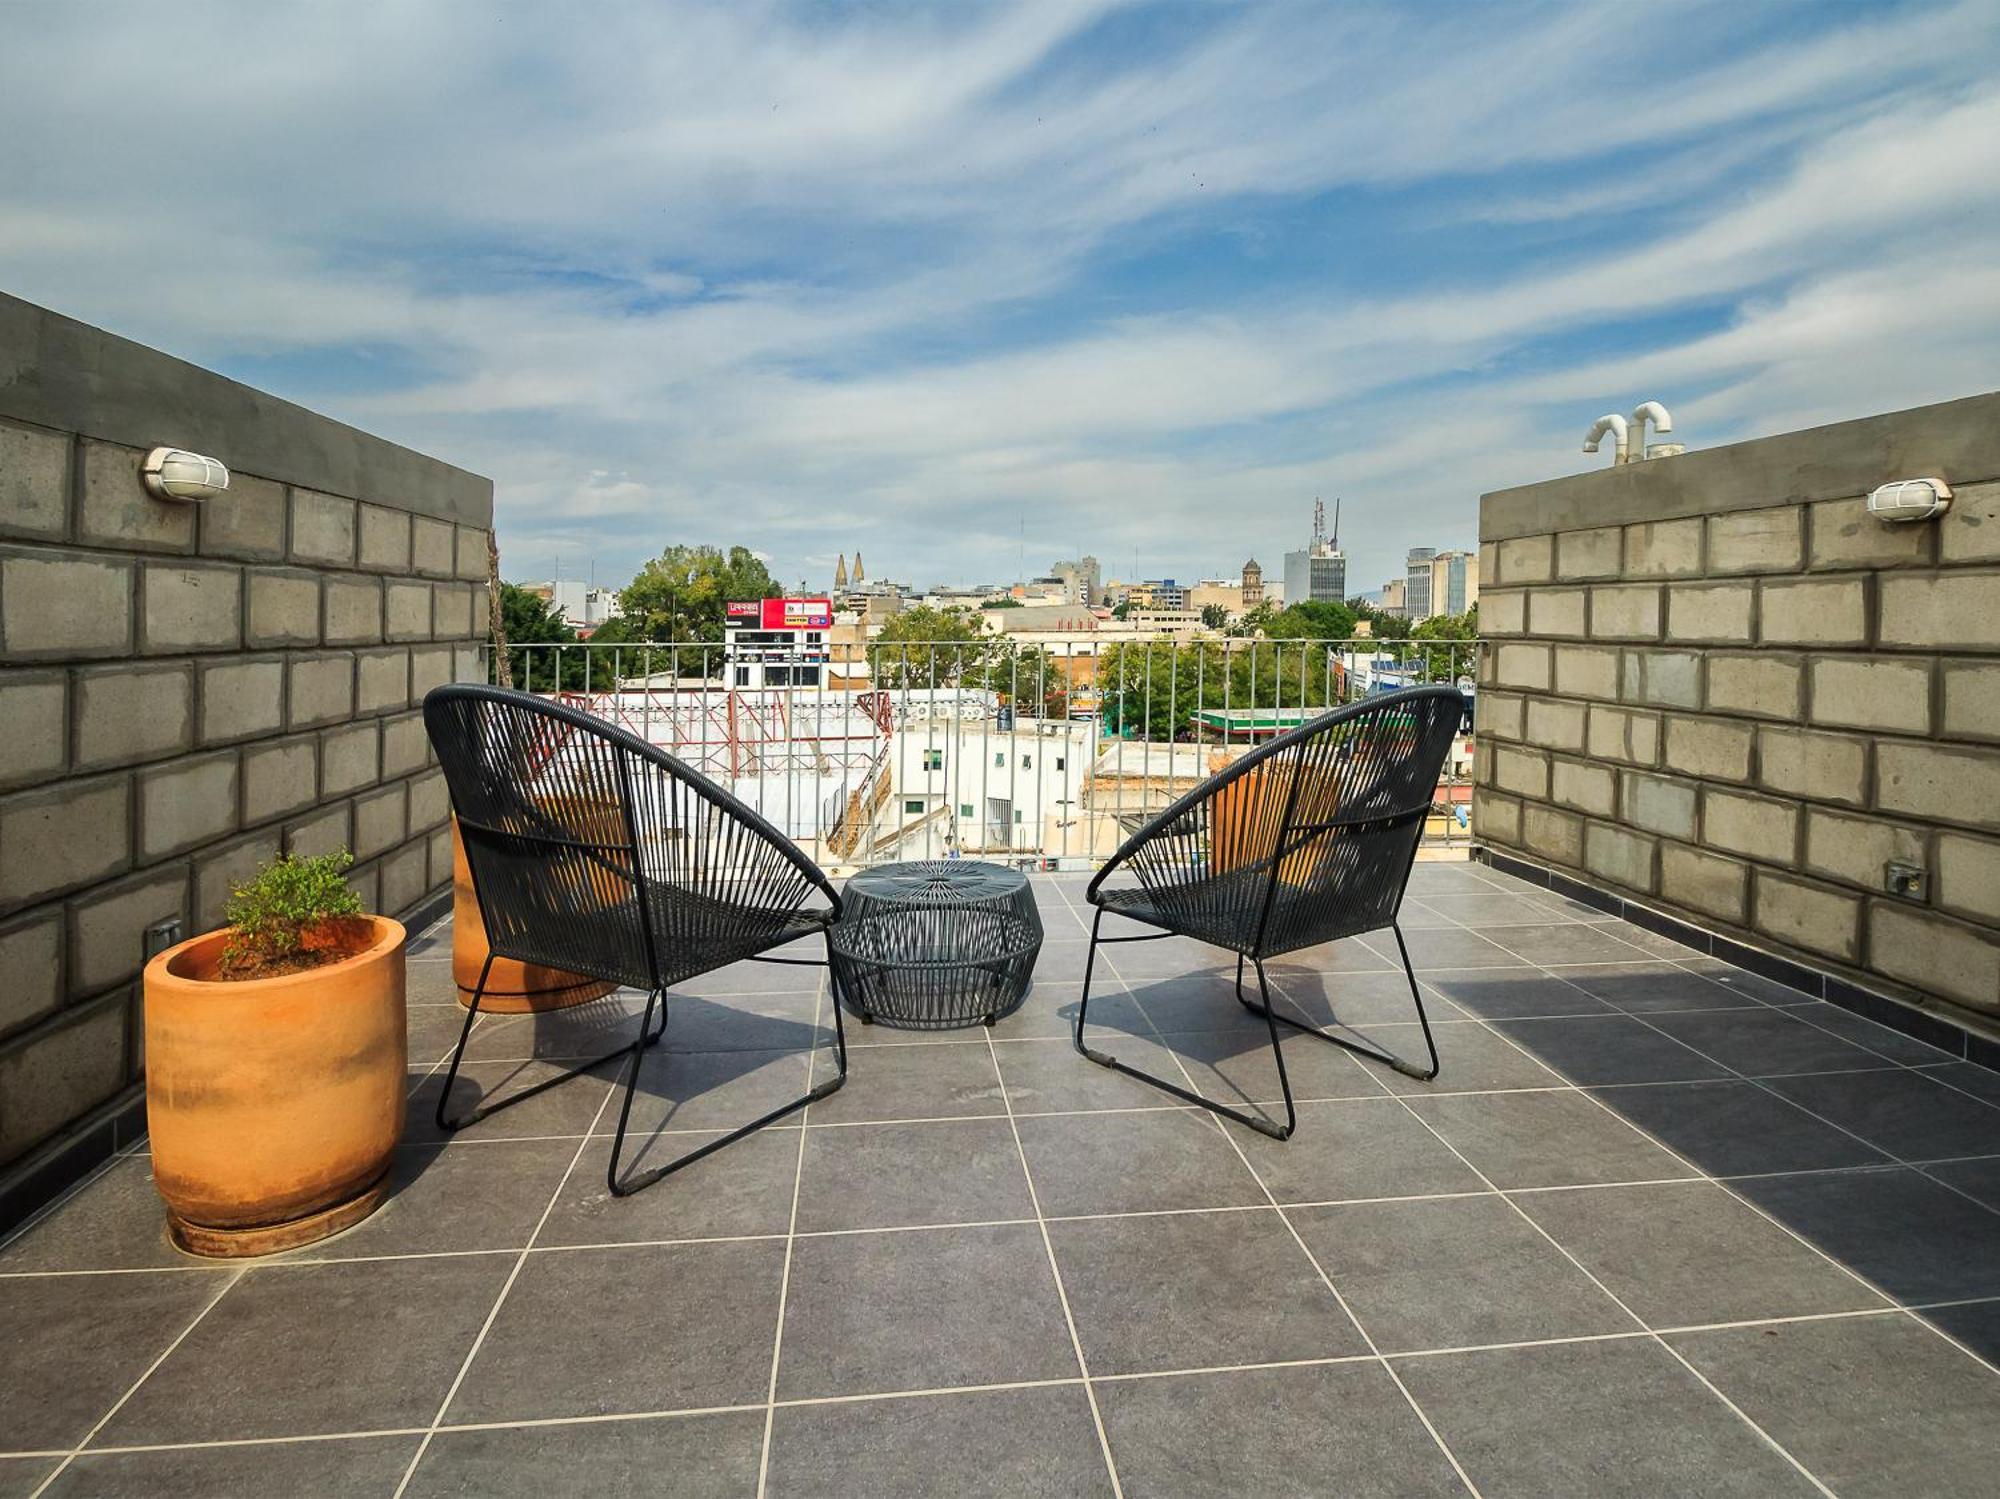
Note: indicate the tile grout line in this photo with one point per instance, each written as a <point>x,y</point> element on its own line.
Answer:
<point>506,1286</point>
<point>1055,1273</point>
<point>146,1374</point>
<point>1723,1184</point>
<point>822,994</point>
<point>1339,1300</point>
<point>1618,1301</point>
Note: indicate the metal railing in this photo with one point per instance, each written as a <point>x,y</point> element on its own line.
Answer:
<point>1044,752</point>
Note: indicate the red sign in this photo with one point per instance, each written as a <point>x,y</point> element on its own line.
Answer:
<point>798,614</point>
<point>749,610</point>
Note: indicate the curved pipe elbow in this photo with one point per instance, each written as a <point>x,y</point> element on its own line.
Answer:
<point>1612,423</point>
<point>1654,412</point>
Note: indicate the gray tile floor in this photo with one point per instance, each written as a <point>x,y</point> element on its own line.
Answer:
<point>1659,1228</point>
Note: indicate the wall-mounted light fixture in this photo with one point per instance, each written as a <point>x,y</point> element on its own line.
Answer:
<point>177,474</point>
<point>1910,499</point>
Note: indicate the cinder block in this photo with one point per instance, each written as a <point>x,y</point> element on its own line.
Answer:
<point>325,832</point>
<point>1970,530</point>
<point>1858,850</point>
<point>382,680</point>
<point>1520,771</point>
<point>114,510</point>
<point>468,663</point>
<point>190,606</point>
<point>471,553</point>
<point>432,547</point>
<point>405,878</point>
<point>1524,559</point>
<point>1584,555</point>
<point>353,610</point>
<point>187,803</point>
<point>438,847</point>
<point>430,802</point>
<point>350,758</point>
<point>1667,679</point>
<point>1659,804</point>
<point>1720,613</point>
<point>1502,715</point>
<point>380,820</point>
<point>482,611</point>
<point>1489,562</point>
<point>1845,535</point>
<point>1524,666</point>
<point>323,529</point>
<point>1554,723</point>
<point>385,539</point>
<point>107,927</point>
<point>1763,685</point>
<point>61,1073</point>
<point>283,609</point>
<point>242,698</point>
<point>1715,749</point>
<point>1935,783</point>
<point>1496,817</point>
<point>1629,736</point>
<point>431,666</point>
<point>1587,671</point>
<point>1819,767</point>
<point>1627,611</point>
<point>1968,876</point>
<point>55,606</point>
<point>1953,611</point>
<point>1754,826</point>
<point>245,522</point>
<point>1623,858</point>
<point>407,610</point>
<point>1557,611</point>
<point>34,482</point>
<point>1705,882</point>
<point>1757,541</point>
<point>321,690</point>
<point>366,881</point>
<point>1664,549</point>
<point>73,833</point>
<point>1877,692</point>
<point>125,714</point>
<point>1814,611</point>
<point>451,611</point>
<point>1809,916</point>
<point>1584,786</point>
<point>218,873</point>
<point>279,778</point>
<point>1555,836</point>
<point>1935,954</point>
<point>1972,699</point>
<point>34,746</point>
<point>31,976</point>
<point>406,747</point>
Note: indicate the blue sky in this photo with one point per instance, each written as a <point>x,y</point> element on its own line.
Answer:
<point>961,284</point>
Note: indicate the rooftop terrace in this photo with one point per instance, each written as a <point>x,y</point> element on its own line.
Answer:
<point>1660,1226</point>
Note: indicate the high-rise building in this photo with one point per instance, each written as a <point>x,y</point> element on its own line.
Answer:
<point>1319,573</point>
<point>1454,582</point>
<point>1392,596</point>
<point>1417,583</point>
<point>1080,580</point>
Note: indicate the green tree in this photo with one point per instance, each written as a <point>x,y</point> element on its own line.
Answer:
<point>1003,604</point>
<point>1151,690</point>
<point>1446,663</point>
<point>683,594</point>
<point>1381,623</point>
<point>1313,619</point>
<point>1214,616</point>
<point>542,647</point>
<point>928,647</point>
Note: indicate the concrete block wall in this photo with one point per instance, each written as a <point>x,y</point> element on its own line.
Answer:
<point>187,690</point>
<point>1714,684</point>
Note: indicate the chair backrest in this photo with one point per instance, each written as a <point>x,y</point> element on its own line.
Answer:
<point>590,849</point>
<point>1311,836</point>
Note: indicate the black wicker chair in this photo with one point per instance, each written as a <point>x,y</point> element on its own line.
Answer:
<point>595,852</point>
<point>1304,840</point>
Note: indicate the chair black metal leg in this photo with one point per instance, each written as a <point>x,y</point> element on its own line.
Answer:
<point>647,1037</point>
<point>1408,1069</point>
<point>812,1095</point>
<point>1103,1059</point>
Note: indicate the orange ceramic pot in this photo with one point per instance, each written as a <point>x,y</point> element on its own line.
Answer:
<point>274,1105</point>
<point>513,987</point>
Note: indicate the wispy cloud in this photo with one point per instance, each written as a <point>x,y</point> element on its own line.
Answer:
<point>949,282</point>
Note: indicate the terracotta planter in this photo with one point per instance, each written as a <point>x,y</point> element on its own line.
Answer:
<point>274,1104</point>
<point>512,988</point>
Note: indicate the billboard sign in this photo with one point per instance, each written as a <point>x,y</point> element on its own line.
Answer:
<point>798,614</point>
<point>746,612</point>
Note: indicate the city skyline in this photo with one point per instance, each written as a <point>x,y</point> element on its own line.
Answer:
<point>991,280</point>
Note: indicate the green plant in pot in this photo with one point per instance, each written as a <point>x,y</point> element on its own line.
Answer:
<point>275,1064</point>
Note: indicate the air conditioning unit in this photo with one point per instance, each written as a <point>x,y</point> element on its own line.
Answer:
<point>1910,499</point>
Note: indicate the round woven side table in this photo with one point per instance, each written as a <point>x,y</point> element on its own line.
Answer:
<point>936,943</point>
